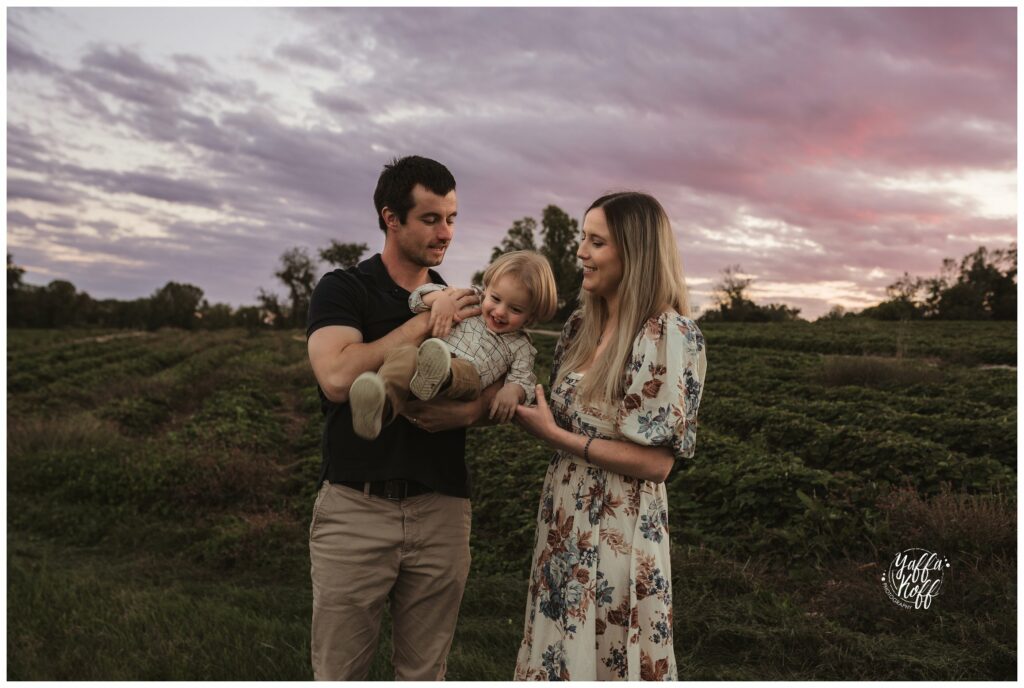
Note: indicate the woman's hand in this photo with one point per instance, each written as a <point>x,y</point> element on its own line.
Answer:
<point>538,420</point>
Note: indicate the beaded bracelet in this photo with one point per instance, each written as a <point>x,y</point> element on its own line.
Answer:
<point>586,449</point>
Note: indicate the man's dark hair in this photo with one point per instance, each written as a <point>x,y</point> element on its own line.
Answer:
<point>394,187</point>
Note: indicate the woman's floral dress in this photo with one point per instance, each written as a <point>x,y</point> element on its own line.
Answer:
<point>600,599</point>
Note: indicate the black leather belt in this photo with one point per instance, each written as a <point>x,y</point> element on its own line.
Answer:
<point>389,489</point>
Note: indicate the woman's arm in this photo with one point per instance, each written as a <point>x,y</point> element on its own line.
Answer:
<point>619,456</point>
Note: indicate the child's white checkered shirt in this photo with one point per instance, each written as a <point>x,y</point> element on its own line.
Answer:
<point>491,354</point>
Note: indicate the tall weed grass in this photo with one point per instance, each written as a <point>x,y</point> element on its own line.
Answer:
<point>877,371</point>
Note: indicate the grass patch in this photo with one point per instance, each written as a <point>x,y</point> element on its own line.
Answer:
<point>110,621</point>
<point>160,490</point>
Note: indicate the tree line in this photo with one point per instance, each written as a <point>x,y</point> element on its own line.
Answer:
<point>733,305</point>
<point>981,286</point>
<point>60,304</point>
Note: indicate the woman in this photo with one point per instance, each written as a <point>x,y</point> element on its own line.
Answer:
<point>626,382</point>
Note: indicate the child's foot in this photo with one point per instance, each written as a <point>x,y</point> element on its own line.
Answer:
<point>367,398</point>
<point>433,366</point>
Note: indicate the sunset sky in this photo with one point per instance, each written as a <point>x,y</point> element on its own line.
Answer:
<point>826,151</point>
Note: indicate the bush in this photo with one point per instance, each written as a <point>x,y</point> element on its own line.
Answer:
<point>755,501</point>
<point>237,417</point>
<point>139,416</point>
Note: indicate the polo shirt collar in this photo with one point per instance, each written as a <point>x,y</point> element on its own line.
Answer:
<point>375,268</point>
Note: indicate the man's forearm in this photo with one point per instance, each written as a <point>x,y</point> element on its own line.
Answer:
<point>360,357</point>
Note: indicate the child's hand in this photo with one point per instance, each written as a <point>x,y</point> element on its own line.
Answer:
<point>442,314</point>
<point>505,402</point>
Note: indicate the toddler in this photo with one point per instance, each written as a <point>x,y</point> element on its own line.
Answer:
<point>519,290</point>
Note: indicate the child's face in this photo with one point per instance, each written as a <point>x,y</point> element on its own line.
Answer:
<point>506,305</point>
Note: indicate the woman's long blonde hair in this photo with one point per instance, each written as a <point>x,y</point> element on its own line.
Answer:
<point>652,278</point>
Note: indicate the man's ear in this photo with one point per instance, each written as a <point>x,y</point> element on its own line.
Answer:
<point>390,218</point>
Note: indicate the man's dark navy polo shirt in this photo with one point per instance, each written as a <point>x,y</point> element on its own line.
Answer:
<point>366,298</point>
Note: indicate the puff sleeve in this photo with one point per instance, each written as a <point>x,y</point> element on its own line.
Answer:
<point>664,384</point>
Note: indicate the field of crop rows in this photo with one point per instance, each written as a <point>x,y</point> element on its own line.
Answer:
<point>160,487</point>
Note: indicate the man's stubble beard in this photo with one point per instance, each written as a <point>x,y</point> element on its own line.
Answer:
<point>423,260</point>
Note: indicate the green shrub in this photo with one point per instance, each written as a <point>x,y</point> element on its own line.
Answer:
<point>507,468</point>
<point>240,416</point>
<point>139,416</point>
<point>767,503</point>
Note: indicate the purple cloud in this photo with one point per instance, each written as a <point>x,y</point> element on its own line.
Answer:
<point>304,54</point>
<point>782,139</point>
<point>339,104</point>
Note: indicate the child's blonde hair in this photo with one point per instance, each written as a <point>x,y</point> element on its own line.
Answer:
<point>533,271</point>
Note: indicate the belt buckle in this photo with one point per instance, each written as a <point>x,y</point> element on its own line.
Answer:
<point>396,489</point>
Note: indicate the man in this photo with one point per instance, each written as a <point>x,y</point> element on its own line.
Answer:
<point>392,515</point>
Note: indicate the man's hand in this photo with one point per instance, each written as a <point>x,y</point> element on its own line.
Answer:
<point>447,414</point>
<point>503,408</point>
<point>439,414</point>
<point>442,314</point>
<point>467,304</point>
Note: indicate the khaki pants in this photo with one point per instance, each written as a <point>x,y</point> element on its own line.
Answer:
<point>364,550</point>
<point>400,365</point>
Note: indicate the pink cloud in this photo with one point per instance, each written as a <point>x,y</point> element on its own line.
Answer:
<point>782,130</point>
